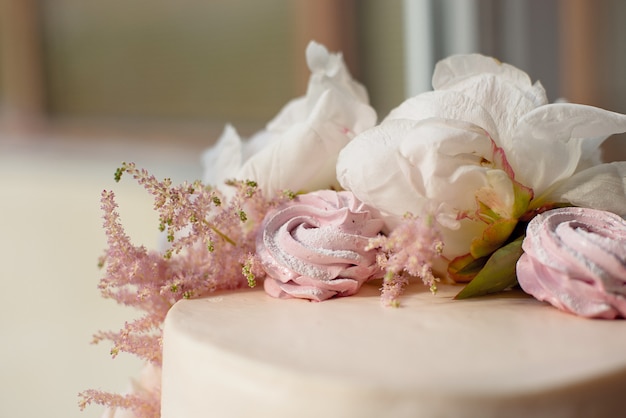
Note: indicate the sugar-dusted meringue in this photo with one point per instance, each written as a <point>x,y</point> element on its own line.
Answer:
<point>575,259</point>
<point>314,247</point>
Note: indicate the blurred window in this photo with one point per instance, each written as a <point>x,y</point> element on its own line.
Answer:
<point>185,59</point>
<point>181,62</point>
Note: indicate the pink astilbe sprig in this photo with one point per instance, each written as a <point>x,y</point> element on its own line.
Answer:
<point>138,337</point>
<point>210,237</point>
<point>142,404</point>
<point>130,269</point>
<point>253,269</point>
<point>408,251</point>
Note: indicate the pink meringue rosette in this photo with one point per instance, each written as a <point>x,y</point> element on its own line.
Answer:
<point>575,259</point>
<point>314,246</point>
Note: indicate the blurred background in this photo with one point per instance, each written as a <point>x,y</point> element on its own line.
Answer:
<point>85,85</point>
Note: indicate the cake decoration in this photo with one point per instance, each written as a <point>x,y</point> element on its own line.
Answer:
<point>575,259</point>
<point>488,151</point>
<point>324,199</point>
<point>314,247</point>
<point>298,149</point>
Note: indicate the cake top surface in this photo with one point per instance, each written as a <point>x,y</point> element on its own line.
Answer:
<point>494,345</point>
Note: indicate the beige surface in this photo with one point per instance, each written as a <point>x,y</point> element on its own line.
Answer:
<point>50,241</point>
<point>501,356</point>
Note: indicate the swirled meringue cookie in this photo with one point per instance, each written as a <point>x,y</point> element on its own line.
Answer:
<point>575,259</point>
<point>314,246</point>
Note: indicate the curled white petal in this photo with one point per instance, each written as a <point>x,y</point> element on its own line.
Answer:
<point>455,68</point>
<point>328,70</point>
<point>601,187</point>
<point>368,166</point>
<point>504,101</point>
<point>304,156</point>
<point>559,139</point>
<point>298,149</point>
<point>454,71</point>
<point>444,160</point>
<point>568,121</point>
<point>445,104</point>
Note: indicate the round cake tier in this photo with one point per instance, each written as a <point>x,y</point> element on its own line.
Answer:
<point>246,354</point>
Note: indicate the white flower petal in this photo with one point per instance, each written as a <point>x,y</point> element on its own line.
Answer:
<point>451,70</point>
<point>222,161</point>
<point>295,111</point>
<point>329,71</point>
<point>459,239</point>
<point>443,160</point>
<point>256,143</point>
<point>446,104</point>
<point>600,187</point>
<point>368,166</point>
<point>319,60</point>
<point>559,139</point>
<point>539,163</point>
<point>458,68</point>
<point>567,121</point>
<point>303,157</point>
<point>504,101</point>
<point>499,195</point>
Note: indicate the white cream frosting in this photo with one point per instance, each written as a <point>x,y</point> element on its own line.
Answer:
<point>246,354</point>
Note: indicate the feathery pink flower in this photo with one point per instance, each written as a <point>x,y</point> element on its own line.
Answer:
<point>409,250</point>
<point>210,237</point>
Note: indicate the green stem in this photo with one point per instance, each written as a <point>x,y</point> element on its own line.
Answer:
<point>223,235</point>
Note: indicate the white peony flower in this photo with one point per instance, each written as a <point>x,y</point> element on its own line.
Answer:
<point>483,148</point>
<point>298,149</point>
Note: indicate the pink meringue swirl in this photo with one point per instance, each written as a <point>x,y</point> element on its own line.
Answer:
<point>314,246</point>
<point>575,259</point>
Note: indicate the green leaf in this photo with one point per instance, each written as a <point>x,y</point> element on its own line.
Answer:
<point>498,273</point>
<point>492,238</point>
<point>465,267</point>
<point>523,196</point>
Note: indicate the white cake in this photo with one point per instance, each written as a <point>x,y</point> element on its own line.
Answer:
<point>457,159</point>
<point>246,354</point>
